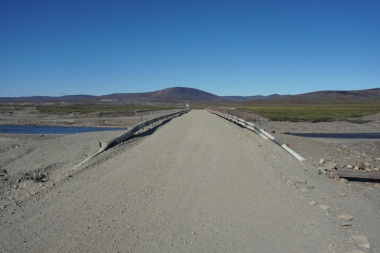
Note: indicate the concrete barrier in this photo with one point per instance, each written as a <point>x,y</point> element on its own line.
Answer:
<point>261,132</point>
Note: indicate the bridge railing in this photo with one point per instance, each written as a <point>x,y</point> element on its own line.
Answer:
<point>261,132</point>
<point>127,134</point>
<point>131,131</point>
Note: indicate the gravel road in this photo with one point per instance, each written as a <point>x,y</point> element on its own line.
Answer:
<point>196,184</point>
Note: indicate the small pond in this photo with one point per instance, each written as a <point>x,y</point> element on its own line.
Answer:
<point>22,129</point>
<point>339,135</point>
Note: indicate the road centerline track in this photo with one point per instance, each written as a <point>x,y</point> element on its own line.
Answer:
<point>198,184</point>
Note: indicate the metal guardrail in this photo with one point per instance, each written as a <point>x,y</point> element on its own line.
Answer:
<point>124,136</point>
<point>261,132</point>
<point>127,134</point>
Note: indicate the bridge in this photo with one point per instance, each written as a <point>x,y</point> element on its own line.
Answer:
<point>197,183</point>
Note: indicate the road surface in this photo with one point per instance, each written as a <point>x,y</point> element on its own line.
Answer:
<point>197,184</point>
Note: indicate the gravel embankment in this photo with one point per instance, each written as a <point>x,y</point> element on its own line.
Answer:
<point>347,153</point>
<point>198,183</point>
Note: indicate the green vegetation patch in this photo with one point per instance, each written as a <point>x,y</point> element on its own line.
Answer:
<point>315,113</point>
<point>81,109</point>
<point>9,109</point>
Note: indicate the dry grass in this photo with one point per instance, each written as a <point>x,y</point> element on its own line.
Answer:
<point>308,112</point>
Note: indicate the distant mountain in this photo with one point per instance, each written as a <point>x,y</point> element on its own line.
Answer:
<point>335,96</point>
<point>177,95</point>
<point>165,96</point>
<point>251,98</point>
<point>182,94</point>
<point>169,95</point>
<point>354,95</point>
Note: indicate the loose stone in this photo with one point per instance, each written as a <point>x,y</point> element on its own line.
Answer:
<point>361,240</point>
<point>324,207</point>
<point>339,166</point>
<point>345,217</point>
<point>331,166</point>
<point>361,166</point>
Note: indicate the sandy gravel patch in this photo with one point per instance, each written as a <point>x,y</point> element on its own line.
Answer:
<point>197,183</point>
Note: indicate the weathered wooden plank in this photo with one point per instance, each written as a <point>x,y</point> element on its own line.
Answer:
<point>358,174</point>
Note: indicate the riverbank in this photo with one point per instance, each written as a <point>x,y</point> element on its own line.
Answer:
<point>32,117</point>
<point>34,163</point>
<point>27,129</point>
<point>331,154</point>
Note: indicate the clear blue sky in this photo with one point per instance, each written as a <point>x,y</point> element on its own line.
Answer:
<point>231,47</point>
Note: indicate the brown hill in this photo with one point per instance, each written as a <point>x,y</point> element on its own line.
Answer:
<point>343,96</point>
<point>183,95</point>
<point>190,94</point>
<point>357,96</point>
<point>168,95</point>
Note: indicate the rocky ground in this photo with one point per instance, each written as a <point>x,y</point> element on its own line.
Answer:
<point>332,154</point>
<point>326,154</point>
<point>198,183</point>
<point>32,166</point>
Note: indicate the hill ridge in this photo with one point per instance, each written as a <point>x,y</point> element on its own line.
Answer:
<point>185,94</point>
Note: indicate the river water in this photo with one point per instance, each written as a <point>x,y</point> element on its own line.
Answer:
<point>22,129</point>
<point>339,135</point>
